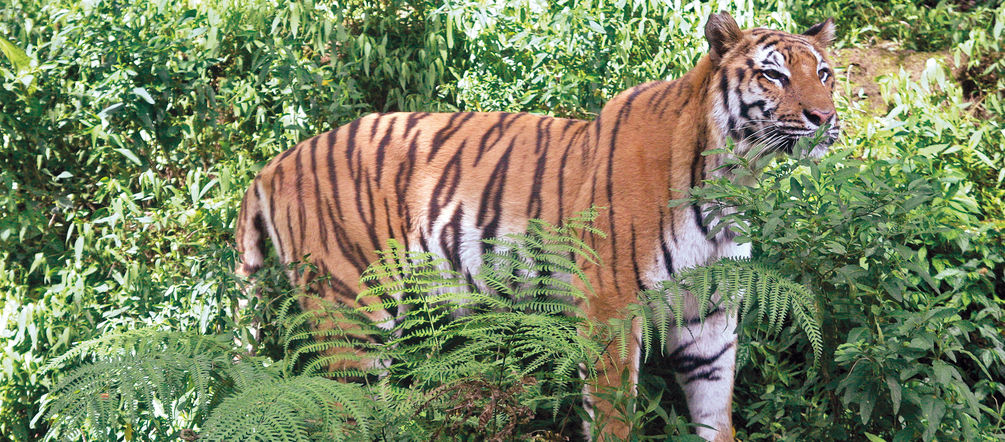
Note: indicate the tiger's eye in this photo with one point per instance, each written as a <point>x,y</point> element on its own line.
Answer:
<point>772,74</point>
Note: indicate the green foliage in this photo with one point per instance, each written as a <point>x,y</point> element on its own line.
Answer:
<point>150,384</point>
<point>516,331</point>
<point>568,58</point>
<point>904,265</point>
<point>129,130</point>
<point>126,139</point>
<point>731,285</point>
<point>301,408</point>
<point>144,382</point>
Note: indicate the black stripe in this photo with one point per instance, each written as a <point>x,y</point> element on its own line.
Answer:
<point>635,261</point>
<point>695,321</point>
<point>724,89</point>
<point>350,148</point>
<point>696,165</point>
<point>373,128</point>
<point>412,120</point>
<point>667,257</point>
<point>387,218</point>
<point>685,363</point>
<point>382,146</point>
<point>371,224</point>
<point>403,181</point>
<point>707,375</point>
<point>658,98</point>
<point>294,251</point>
<point>542,133</point>
<point>332,177</point>
<point>493,195</point>
<point>287,153</point>
<point>258,224</point>
<point>318,201</point>
<point>541,148</point>
<point>584,129</point>
<point>450,239</point>
<point>301,209</point>
<point>448,130</point>
<point>483,143</point>
<point>764,38</point>
<point>746,107</point>
<point>447,184</point>
<point>277,175</point>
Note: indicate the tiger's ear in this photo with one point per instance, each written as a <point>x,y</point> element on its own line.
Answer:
<point>722,34</point>
<point>822,32</point>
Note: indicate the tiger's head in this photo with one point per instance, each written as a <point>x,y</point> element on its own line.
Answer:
<point>771,89</point>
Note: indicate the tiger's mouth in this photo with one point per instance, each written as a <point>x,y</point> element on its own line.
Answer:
<point>807,143</point>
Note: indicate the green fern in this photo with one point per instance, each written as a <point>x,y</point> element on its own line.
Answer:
<point>145,374</point>
<point>318,339</point>
<point>522,315</point>
<point>302,408</point>
<point>760,294</point>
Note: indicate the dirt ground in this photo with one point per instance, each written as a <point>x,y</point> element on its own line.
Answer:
<point>864,65</point>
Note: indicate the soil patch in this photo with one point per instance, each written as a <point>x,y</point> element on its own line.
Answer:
<point>863,65</point>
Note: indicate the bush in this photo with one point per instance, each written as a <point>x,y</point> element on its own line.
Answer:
<point>908,277</point>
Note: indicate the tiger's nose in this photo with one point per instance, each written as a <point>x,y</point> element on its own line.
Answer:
<point>818,116</point>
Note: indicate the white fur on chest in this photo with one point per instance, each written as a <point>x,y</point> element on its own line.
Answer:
<point>688,249</point>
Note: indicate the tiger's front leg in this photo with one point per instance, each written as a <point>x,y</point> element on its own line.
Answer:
<point>703,354</point>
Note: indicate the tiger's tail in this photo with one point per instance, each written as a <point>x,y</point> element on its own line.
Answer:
<point>251,235</point>
<point>250,232</point>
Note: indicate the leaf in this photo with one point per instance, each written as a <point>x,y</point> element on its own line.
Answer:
<point>78,250</point>
<point>922,342</point>
<point>933,150</point>
<point>874,438</point>
<point>17,57</point>
<point>933,409</point>
<point>866,406</point>
<point>39,259</point>
<point>129,156</point>
<point>943,372</point>
<point>142,93</point>
<point>895,396</point>
<point>110,110</point>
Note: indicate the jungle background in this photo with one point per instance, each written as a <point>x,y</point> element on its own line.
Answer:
<point>129,131</point>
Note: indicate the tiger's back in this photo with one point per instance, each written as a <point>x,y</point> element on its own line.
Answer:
<point>444,182</point>
<point>435,182</point>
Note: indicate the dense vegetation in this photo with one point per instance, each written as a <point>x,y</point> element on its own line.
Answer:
<point>128,131</point>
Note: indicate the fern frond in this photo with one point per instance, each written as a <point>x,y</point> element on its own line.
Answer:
<point>139,340</point>
<point>146,374</point>
<point>734,285</point>
<point>302,408</point>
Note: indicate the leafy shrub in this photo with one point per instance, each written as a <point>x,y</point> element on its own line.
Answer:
<point>906,272</point>
<point>567,58</point>
<point>128,135</point>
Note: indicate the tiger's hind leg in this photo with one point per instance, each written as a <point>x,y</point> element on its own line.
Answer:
<point>703,354</point>
<point>612,369</point>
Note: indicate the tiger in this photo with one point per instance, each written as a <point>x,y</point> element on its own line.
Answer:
<point>443,182</point>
